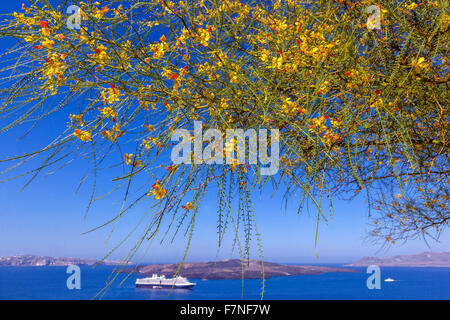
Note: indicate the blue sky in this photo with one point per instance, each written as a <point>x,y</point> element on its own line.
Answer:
<point>47,217</point>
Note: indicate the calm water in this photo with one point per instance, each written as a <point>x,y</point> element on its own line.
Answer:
<point>50,283</point>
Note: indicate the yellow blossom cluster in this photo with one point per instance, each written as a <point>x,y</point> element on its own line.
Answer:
<point>353,106</point>
<point>157,190</point>
<point>110,95</point>
<point>82,135</point>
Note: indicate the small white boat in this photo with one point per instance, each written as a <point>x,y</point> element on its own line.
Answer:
<point>389,280</point>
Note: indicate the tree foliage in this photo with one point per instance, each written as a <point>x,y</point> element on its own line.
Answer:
<point>358,109</point>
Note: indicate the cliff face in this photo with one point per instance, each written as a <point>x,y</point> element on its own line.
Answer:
<point>425,259</point>
<point>41,261</point>
<point>232,269</point>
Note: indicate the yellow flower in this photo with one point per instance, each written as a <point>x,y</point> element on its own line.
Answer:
<point>109,135</point>
<point>419,64</point>
<point>224,104</point>
<point>411,6</point>
<point>20,17</point>
<point>188,206</point>
<point>77,118</point>
<point>204,36</point>
<point>277,63</point>
<point>54,67</point>
<point>118,130</point>
<point>108,112</point>
<point>99,13</point>
<point>184,35</point>
<point>233,77</point>
<point>29,39</point>
<point>323,89</point>
<point>265,55</point>
<point>137,163</point>
<point>159,193</point>
<point>45,31</point>
<point>336,123</point>
<point>157,190</point>
<point>101,56</point>
<point>146,143</point>
<point>48,43</point>
<point>128,158</point>
<point>82,135</point>
<point>151,24</point>
<point>117,11</point>
<point>111,95</point>
<point>317,125</point>
<point>167,73</point>
<point>85,37</point>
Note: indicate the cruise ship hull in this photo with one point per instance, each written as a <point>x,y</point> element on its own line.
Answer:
<point>165,286</point>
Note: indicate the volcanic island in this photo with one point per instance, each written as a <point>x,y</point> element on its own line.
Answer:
<point>232,269</point>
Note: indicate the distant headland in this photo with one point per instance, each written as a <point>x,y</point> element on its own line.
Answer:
<point>425,259</point>
<point>232,269</point>
<point>43,261</point>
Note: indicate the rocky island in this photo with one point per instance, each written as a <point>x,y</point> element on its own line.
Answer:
<point>232,269</point>
<point>43,261</point>
<point>425,259</point>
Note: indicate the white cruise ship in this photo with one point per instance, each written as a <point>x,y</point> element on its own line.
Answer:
<point>157,282</point>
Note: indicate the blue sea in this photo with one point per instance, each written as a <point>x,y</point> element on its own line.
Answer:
<point>50,283</point>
